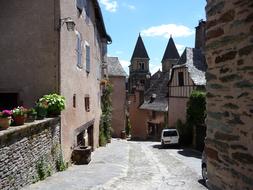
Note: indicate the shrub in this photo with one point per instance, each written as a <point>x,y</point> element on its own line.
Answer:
<point>55,103</point>
<point>196,108</point>
<point>128,127</point>
<point>185,133</point>
<point>106,118</point>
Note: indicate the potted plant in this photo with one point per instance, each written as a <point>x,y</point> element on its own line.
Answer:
<point>41,109</point>
<point>19,115</point>
<point>55,102</point>
<point>5,119</point>
<point>31,115</point>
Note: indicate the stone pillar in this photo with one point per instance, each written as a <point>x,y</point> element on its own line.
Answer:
<point>229,54</point>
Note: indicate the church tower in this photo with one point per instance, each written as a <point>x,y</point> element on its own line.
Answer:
<point>139,68</point>
<point>170,56</point>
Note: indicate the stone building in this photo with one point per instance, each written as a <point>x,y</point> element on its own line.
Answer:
<point>148,109</point>
<point>229,54</point>
<point>117,77</point>
<point>139,67</point>
<point>55,46</point>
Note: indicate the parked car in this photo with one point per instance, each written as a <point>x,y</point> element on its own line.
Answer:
<point>169,136</point>
<point>204,167</point>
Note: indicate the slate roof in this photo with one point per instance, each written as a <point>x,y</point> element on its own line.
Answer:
<point>140,50</point>
<point>114,67</point>
<point>194,60</point>
<point>171,51</point>
<point>159,86</point>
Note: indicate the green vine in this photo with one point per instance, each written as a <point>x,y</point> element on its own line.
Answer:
<point>43,169</point>
<point>106,118</point>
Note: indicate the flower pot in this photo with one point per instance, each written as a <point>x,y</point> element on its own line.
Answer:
<point>53,113</point>
<point>5,122</point>
<point>31,118</point>
<point>41,112</point>
<point>19,119</point>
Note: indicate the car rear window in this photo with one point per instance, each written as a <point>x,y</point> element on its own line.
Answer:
<point>169,133</point>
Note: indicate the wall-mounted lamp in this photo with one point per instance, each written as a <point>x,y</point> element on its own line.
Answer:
<point>69,23</point>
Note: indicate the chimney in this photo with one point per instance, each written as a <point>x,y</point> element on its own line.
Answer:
<point>200,35</point>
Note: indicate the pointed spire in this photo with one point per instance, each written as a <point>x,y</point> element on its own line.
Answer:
<point>171,50</point>
<point>140,50</point>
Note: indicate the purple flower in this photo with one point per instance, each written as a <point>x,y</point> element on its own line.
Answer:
<point>6,113</point>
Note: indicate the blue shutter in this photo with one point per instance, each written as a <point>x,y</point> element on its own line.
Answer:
<point>87,58</point>
<point>79,50</point>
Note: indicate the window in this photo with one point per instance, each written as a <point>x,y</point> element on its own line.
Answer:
<point>79,49</point>
<point>87,103</point>
<point>74,101</point>
<point>141,66</point>
<point>87,48</point>
<point>181,79</point>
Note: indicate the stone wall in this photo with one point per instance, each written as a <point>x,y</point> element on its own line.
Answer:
<point>229,53</point>
<point>23,148</point>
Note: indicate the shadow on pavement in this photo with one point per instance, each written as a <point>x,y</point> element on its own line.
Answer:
<point>202,182</point>
<point>190,153</point>
<point>159,146</point>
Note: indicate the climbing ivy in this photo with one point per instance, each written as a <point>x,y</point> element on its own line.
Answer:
<point>196,108</point>
<point>106,117</point>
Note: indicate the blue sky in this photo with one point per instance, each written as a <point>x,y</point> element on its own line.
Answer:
<point>155,20</point>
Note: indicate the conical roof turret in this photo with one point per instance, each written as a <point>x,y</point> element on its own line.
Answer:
<point>171,51</point>
<point>140,50</point>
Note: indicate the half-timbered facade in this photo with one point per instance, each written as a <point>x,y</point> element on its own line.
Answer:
<point>187,75</point>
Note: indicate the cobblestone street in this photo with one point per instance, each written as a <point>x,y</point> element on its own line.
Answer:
<point>129,165</point>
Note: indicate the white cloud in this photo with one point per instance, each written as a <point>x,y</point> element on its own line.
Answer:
<point>130,7</point>
<point>125,65</point>
<point>180,48</point>
<point>110,5</point>
<point>165,30</point>
<point>154,68</point>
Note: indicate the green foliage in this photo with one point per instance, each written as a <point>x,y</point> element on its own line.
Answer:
<point>19,111</point>
<point>106,118</point>
<point>31,112</point>
<point>55,103</point>
<point>102,138</point>
<point>60,164</point>
<point>185,133</point>
<point>43,170</point>
<point>196,108</point>
<point>128,127</point>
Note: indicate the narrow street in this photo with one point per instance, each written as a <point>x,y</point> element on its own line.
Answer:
<point>130,165</point>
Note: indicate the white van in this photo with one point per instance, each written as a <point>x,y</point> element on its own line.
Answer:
<point>169,136</point>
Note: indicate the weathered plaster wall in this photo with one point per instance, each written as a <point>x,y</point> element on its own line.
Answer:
<point>138,118</point>
<point>29,48</point>
<point>118,105</point>
<point>76,81</point>
<point>177,110</point>
<point>229,54</point>
<point>23,147</point>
